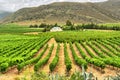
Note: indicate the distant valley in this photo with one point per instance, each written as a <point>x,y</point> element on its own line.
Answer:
<point>4,14</point>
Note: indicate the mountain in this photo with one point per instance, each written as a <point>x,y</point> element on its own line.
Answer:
<point>76,12</point>
<point>112,5</point>
<point>4,14</point>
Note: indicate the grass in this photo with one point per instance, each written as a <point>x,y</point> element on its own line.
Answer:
<point>14,33</point>
<point>43,76</point>
<point>15,37</point>
<point>14,28</point>
<point>111,24</point>
<point>73,36</point>
<point>64,36</point>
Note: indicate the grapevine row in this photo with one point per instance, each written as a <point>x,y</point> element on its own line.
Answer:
<point>31,61</point>
<point>102,49</point>
<point>108,47</point>
<point>95,49</point>
<point>93,61</point>
<point>42,62</point>
<point>67,59</point>
<point>80,62</point>
<point>55,60</point>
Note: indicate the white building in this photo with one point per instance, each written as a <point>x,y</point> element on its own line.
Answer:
<point>55,29</point>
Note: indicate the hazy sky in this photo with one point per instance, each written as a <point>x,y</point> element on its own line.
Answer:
<point>13,5</point>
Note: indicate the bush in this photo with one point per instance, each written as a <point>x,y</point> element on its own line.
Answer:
<point>3,67</point>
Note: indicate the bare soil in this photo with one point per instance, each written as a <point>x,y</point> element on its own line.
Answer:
<point>77,51</point>
<point>35,33</point>
<point>100,50</point>
<point>60,68</point>
<point>91,50</point>
<point>84,51</point>
<point>106,50</point>
<point>74,65</point>
<point>45,68</point>
<point>101,76</point>
<point>39,51</point>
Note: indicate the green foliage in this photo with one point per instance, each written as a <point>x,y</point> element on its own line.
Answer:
<point>95,61</point>
<point>109,48</point>
<point>4,67</point>
<point>68,62</point>
<point>42,62</point>
<point>39,76</point>
<point>20,49</point>
<point>43,76</point>
<point>15,61</point>
<point>33,60</point>
<point>14,28</point>
<point>80,50</point>
<point>77,76</point>
<point>115,62</point>
<point>80,62</point>
<point>68,23</point>
<point>88,51</point>
<point>77,36</point>
<point>96,50</point>
<point>55,60</point>
<point>98,26</point>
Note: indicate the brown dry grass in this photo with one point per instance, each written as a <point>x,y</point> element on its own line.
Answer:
<point>34,33</point>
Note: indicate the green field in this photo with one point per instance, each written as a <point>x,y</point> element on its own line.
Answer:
<point>111,24</point>
<point>14,28</point>
<point>47,50</point>
<point>87,35</point>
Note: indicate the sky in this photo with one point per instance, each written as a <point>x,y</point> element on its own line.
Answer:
<point>13,5</point>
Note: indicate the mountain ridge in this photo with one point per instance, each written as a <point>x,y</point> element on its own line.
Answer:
<point>74,11</point>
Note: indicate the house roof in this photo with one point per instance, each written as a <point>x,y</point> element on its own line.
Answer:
<point>56,29</point>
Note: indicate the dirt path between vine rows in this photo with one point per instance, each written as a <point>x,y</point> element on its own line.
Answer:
<point>107,50</point>
<point>94,53</point>
<point>60,68</point>
<point>12,74</point>
<point>99,49</point>
<point>74,65</point>
<point>45,68</point>
<point>91,68</point>
<point>83,49</point>
<point>77,51</point>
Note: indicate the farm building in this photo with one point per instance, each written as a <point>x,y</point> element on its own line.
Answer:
<point>54,29</point>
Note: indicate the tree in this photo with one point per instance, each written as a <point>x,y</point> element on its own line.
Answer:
<point>31,26</point>
<point>56,24</point>
<point>42,25</point>
<point>68,23</point>
<point>35,26</point>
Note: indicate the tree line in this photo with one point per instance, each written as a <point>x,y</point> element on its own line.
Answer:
<point>70,26</point>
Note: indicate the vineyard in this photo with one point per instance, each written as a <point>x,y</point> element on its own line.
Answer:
<point>50,54</point>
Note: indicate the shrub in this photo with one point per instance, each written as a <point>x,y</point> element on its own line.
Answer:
<point>3,67</point>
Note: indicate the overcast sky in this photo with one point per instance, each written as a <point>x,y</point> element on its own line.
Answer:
<point>13,5</point>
